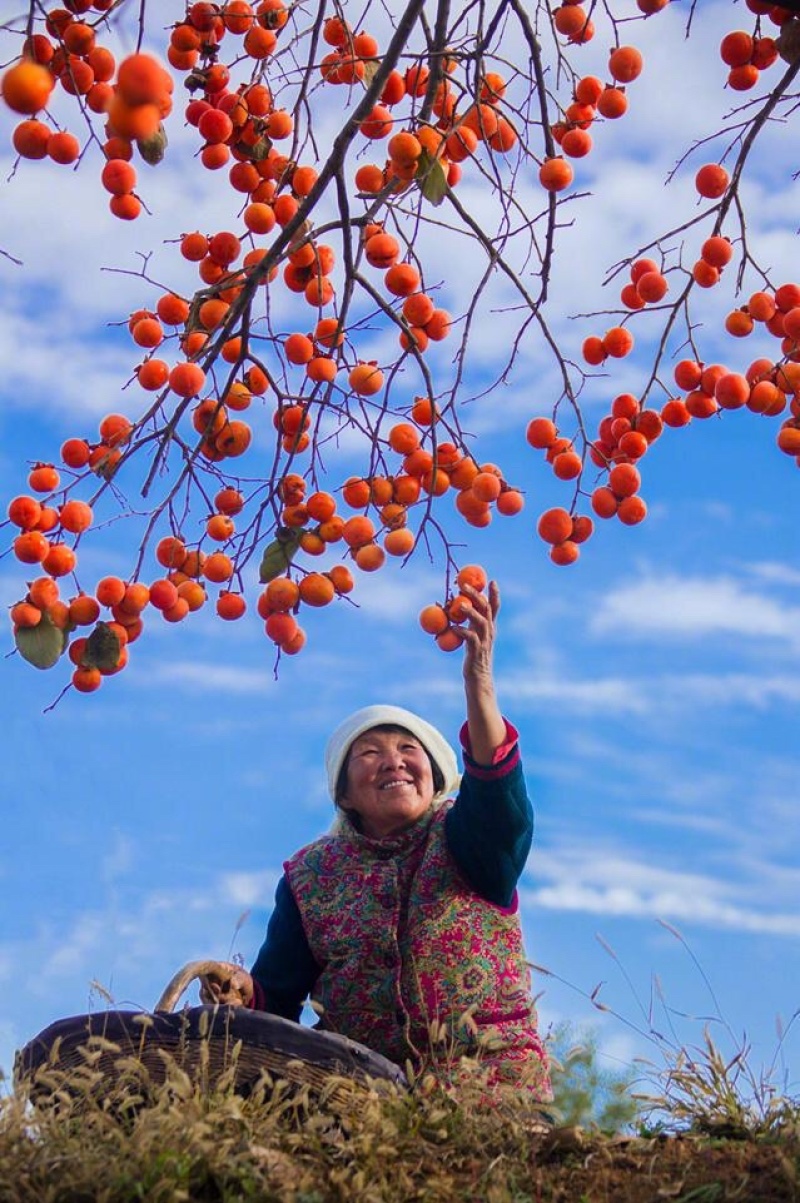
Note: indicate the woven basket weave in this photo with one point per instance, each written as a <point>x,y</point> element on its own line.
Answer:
<point>212,1045</point>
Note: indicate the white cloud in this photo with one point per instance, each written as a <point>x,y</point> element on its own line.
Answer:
<point>211,678</point>
<point>732,689</point>
<point>156,932</point>
<point>85,934</point>
<point>118,862</point>
<point>695,607</point>
<point>774,573</point>
<point>619,695</point>
<point>666,694</point>
<point>715,511</point>
<point>394,596</point>
<point>606,882</point>
<point>54,964</point>
<point>65,373</point>
<point>248,889</point>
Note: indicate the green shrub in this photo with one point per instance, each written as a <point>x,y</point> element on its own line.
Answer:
<point>585,1093</point>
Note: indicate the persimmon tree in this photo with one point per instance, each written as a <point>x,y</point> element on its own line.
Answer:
<point>345,141</point>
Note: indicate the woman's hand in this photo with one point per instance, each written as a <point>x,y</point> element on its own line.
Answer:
<point>228,984</point>
<point>487,730</point>
<point>479,635</point>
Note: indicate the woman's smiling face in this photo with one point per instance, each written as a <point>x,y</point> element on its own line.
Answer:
<point>389,782</point>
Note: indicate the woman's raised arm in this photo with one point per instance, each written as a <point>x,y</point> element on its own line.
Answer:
<point>487,730</point>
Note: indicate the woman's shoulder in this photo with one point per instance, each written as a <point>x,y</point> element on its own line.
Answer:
<point>314,847</point>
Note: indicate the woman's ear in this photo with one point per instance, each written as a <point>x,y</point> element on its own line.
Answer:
<point>341,780</point>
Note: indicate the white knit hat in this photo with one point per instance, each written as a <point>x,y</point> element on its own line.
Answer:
<point>368,717</point>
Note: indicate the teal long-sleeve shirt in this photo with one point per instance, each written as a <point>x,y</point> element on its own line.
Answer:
<point>489,830</point>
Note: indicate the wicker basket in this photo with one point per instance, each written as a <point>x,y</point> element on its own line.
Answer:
<point>212,1046</point>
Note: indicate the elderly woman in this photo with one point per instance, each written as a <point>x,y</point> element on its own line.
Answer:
<point>402,923</point>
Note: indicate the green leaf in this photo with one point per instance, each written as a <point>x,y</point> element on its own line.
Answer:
<point>102,648</point>
<point>258,151</point>
<point>152,148</point>
<point>431,178</point>
<point>41,645</point>
<point>280,553</point>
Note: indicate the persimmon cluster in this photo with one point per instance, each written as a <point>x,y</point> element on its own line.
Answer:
<point>564,532</point>
<point>134,100</point>
<point>218,366</point>
<point>592,98</point>
<point>311,524</point>
<point>747,55</point>
<point>446,620</point>
<point>66,55</point>
<point>45,623</point>
<point>766,387</point>
<point>624,435</point>
<point>648,285</point>
<point>430,151</point>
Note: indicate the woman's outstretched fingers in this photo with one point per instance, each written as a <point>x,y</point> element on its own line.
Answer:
<point>479,632</point>
<point>494,598</point>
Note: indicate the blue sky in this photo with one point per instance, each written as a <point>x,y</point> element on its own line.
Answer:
<point>654,684</point>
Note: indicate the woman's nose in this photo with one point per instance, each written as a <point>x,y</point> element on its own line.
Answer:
<point>393,758</point>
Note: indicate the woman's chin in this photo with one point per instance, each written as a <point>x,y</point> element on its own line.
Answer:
<point>398,818</point>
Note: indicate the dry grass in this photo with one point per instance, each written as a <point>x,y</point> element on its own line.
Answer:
<point>81,1143</point>
<point>708,1128</point>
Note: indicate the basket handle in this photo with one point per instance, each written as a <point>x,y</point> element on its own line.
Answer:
<point>182,979</point>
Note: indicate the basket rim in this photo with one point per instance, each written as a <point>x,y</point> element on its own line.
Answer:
<point>218,1026</point>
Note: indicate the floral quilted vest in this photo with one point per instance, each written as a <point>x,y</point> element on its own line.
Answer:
<point>415,964</point>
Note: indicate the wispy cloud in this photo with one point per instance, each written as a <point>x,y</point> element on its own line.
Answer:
<point>662,693</point>
<point>731,689</point>
<point>132,951</point>
<point>150,937</point>
<point>607,883</point>
<point>605,693</point>
<point>774,573</point>
<point>248,889</point>
<point>212,678</point>
<point>393,598</point>
<point>85,934</point>
<point>669,604</point>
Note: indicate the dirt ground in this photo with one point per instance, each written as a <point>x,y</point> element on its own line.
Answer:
<point>572,1168</point>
